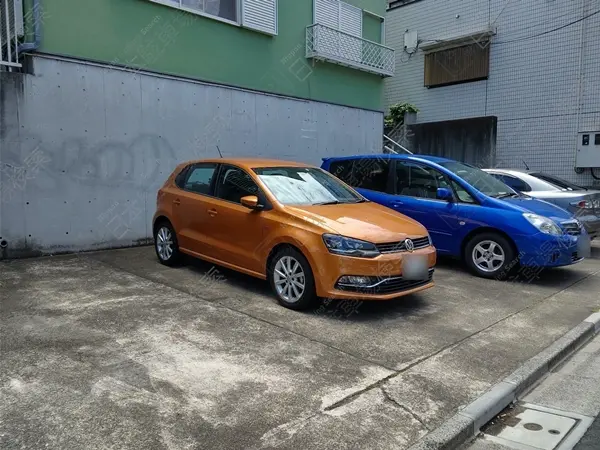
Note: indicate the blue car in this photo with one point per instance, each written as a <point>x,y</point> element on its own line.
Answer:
<point>469,213</point>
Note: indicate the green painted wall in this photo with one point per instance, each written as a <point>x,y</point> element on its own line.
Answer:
<point>143,34</point>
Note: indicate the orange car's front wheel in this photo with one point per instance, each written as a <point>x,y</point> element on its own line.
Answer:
<point>292,279</point>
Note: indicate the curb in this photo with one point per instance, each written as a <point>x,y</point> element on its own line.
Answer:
<point>466,423</point>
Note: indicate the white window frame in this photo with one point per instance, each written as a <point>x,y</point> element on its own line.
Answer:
<point>238,13</point>
<point>339,25</point>
<point>181,7</point>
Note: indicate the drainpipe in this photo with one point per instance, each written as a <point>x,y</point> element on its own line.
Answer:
<point>37,30</point>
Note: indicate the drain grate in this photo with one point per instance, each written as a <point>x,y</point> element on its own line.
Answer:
<point>532,427</point>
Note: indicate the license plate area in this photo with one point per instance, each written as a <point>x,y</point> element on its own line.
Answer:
<point>415,267</point>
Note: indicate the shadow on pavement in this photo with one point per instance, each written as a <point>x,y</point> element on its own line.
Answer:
<point>334,309</point>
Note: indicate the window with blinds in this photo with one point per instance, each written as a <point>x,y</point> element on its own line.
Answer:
<point>457,65</point>
<point>345,22</point>
<point>259,15</point>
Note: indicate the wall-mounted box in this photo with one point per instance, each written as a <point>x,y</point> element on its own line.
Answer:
<point>588,149</point>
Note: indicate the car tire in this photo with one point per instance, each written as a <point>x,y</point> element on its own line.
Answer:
<point>490,255</point>
<point>165,244</point>
<point>292,280</point>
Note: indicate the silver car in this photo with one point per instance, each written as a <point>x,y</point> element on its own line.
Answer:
<point>583,203</point>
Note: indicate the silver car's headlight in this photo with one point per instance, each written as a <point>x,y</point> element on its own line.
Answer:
<point>543,224</point>
<point>342,245</point>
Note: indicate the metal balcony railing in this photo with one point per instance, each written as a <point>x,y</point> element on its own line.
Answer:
<point>328,44</point>
<point>11,28</point>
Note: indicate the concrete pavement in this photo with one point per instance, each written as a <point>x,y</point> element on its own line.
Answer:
<point>570,391</point>
<point>112,349</point>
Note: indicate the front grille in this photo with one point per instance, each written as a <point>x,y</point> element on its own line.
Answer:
<point>572,227</point>
<point>575,257</point>
<point>395,247</point>
<point>390,285</point>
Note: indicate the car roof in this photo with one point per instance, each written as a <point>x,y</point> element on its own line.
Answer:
<point>434,159</point>
<point>250,163</point>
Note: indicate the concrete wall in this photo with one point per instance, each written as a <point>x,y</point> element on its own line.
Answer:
<point>542,89</point>
<point>84,148</point>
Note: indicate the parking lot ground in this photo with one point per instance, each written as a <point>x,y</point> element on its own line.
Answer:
<point>113,350</point>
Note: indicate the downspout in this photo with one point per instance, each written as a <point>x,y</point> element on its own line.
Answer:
<point>37,30</point>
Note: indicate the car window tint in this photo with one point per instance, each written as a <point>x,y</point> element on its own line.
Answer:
<point>233,184</point>
<point>181,176</point>
<point>513,182</point>
<point>343,170</point>
<point>371,173</point>
<point>461,193</point>
<point>200,178</point>
<point>415,180</point>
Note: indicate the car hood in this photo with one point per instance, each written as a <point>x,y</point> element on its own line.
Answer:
<point>540,207</point>
<point>367,221</point>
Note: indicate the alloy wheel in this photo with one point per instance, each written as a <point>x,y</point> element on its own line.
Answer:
<point>164,243</point>
<point>289,278</point>
<point>488,256</point>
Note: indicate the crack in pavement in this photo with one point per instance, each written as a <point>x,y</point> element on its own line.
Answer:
<point>395,371</point>
<point>389,398</point>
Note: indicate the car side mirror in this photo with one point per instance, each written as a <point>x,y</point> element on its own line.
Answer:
<point>445,194</point>
<point>251,202</point>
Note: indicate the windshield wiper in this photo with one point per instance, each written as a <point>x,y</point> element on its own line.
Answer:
<point>337,202</point>
<point>507,194</point>
<point>333,202</point>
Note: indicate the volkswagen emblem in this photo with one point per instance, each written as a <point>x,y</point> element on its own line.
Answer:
<point>409,245</point>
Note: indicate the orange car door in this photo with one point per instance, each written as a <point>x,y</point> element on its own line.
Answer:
<point>238,230</point>
<point>192,206</point>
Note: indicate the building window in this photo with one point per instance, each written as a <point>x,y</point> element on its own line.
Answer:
<point>457,65</point>
<point>258,15</point>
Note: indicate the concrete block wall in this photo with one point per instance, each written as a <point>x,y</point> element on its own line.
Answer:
<point>542,89</point>
<point>84,148</point>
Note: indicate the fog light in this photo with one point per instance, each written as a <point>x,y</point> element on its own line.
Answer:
<point>355,280</point>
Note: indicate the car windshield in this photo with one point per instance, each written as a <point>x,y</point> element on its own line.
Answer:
<point>558,182</point>
<point>305,186</point>
<point>480,180</point>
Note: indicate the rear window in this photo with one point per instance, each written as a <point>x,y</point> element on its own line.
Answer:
<point>558,182</point>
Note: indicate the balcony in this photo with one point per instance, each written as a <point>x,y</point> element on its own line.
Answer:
<point>328,44</point>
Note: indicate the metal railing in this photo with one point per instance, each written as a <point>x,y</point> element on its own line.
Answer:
<point>390,146</point>
<point>328,44</point>
<point>11,29</point>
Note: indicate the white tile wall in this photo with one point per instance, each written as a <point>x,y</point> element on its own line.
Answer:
<point>543,90</point>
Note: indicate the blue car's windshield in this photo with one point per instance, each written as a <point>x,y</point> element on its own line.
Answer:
<point>480,180</point>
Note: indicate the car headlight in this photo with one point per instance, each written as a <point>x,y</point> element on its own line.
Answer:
<point>543,224</point>
<point>342,245</point>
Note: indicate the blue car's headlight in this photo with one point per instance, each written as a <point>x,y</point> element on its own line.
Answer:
<point>341,245</point>
<point>543,224</point>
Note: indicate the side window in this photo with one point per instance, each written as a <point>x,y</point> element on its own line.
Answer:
<point>180,178</point>
<point>463,196</point>
<point>200,178</point>
<point>343,170</point>
<point>371,173</point>
<point>415,180</point>
<point>233,184</point>
<point>513,182</point>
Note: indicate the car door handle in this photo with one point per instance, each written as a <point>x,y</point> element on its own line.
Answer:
<point>177,202</point>
<point>397,203</point>
<point>212,212</point>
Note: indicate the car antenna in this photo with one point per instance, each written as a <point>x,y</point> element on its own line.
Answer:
<point>526,166</point>
<point>219,152</point>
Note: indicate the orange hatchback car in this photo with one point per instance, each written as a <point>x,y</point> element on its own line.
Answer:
<point>298,226</point>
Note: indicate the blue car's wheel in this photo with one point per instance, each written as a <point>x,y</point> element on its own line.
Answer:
<point>489,255</point>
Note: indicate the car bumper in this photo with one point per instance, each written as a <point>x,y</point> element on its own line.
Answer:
<point>543,250</point>
<point>386,272</point>
<point>591,223</point>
